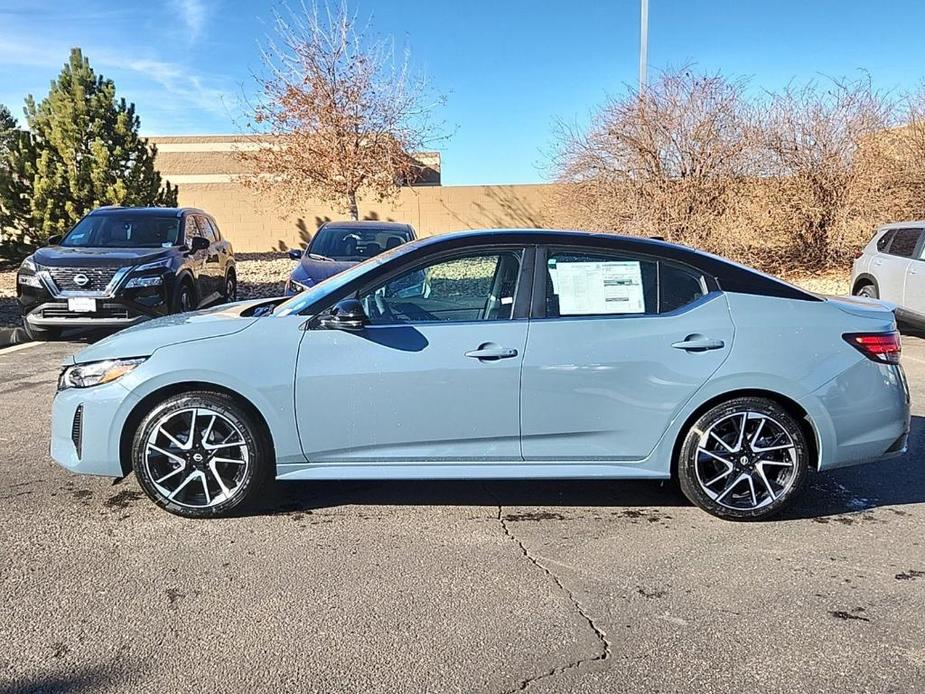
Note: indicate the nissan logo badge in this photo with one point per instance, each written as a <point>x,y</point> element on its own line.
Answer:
<point>81,280</point>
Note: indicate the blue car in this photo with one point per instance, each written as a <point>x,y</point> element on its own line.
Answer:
<point>521,354</point>
<point>337,246</point>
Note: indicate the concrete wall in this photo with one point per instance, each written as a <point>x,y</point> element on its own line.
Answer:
<point>204,168</point>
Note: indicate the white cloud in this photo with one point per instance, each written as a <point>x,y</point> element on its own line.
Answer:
<point>193,13</point>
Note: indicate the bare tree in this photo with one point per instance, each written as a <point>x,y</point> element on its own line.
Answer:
<point>832,166</point>
<point>339,115</point>
<point>664,161</point>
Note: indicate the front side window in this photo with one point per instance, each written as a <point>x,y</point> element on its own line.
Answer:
<point>123,230</point>
<point>580,283</point>
<point>904,242</point>
<point>206,229</point>
<point>474,287</point>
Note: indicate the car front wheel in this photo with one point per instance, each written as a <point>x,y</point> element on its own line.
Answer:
<point>201,454</point>
<point>744,459</point>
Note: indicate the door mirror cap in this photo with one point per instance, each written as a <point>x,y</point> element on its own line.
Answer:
<point>54,239</point>
<point>198,243</point>
<point>347,314</point>
<point>295,253</point>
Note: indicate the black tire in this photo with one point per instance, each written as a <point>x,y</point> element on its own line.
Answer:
<point>868,290</point>
<point>243,480</point>
<point>41,334</point>
<point>184,298</point>
<point>765,486</point>
<point>231,287</point>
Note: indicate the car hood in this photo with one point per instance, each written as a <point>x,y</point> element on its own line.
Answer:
<point>318,269</point>
<point>144,339</point>
<point>60,256</point>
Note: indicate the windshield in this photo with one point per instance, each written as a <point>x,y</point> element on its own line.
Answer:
<point>357,243</point>
<point>124,231</point>
<point>303,300</point>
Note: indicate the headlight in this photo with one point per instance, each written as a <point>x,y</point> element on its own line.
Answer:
<point>149,281</point>
<point>30,281</point>
<point>28,265</point>
<point>296,286</point>
<point>136,282</point>
<point>96,373</point>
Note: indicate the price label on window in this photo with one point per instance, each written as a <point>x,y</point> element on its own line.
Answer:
<point>591,288</point>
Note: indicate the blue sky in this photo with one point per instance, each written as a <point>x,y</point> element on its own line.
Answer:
<point>509,68</point>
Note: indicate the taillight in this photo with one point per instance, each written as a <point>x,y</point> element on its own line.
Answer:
<point>882,347</point>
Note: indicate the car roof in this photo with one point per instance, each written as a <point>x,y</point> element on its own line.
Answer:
<point>155,211</point>
<point>367,224</point>
<point>731,276</point>
<point>903,225</point>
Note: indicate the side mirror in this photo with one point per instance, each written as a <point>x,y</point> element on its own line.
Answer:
<point>295,254</point>
<point>348,314</point>
<point>198,243</point>
<point>55,239</point>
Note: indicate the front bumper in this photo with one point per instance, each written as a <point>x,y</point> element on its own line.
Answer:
<point>86,428</point>
<point>131,306</point>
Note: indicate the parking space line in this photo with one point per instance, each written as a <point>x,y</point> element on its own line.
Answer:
<point>16,348</point>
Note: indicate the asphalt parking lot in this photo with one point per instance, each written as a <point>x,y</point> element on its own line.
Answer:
<point>452,587</point>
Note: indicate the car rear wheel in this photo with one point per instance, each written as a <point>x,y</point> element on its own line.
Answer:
<point>201,454</point>
<point>868,290</point>
<point>744,459</point>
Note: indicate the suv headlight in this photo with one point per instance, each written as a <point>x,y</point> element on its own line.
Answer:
<point>150,280</point>
<point>96,373</point>
<point>27,274</point>
<point>295,286</point>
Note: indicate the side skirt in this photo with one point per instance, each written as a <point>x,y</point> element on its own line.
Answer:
<point>464,471</point>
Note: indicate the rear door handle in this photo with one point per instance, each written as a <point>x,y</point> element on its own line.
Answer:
<point>492,352</point>
<point>698,343</point>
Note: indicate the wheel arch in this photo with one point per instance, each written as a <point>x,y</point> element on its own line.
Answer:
<point>797,411</point>
<point>862,279</point>
<point>143,406</point>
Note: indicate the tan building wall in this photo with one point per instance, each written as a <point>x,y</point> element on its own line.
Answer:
<point>204,168</point>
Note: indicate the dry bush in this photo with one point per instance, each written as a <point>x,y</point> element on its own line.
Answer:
<point>794,181</point>
<point>667,161</point>
<point>338,116</point>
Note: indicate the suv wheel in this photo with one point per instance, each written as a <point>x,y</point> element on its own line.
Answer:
<point>868,290</point>
<point>745,459</point>
<point>184,299</point>
<point>231,288</point>
<point>200,455</point>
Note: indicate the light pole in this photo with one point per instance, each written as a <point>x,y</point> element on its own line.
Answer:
<point>643,45</point>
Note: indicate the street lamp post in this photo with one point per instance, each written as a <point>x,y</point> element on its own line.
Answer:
<point>643,44</point>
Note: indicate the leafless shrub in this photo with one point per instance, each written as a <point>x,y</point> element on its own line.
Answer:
<point>339,114</point>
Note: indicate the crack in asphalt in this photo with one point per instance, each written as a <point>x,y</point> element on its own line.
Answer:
<point>605,652</point>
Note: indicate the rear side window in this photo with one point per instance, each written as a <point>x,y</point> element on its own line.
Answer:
<point>904,242</point>
<point>600,283</point>
<point>884,240</point>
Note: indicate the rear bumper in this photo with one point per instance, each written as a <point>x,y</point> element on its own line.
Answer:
<point>867,418</point>
<point>91,445</point>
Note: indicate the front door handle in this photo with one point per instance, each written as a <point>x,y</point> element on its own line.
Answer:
<point>698,343</point>
<point>492,352</point>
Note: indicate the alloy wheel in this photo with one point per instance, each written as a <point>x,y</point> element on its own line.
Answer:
<point>746,461</point>
<point>196,457</point>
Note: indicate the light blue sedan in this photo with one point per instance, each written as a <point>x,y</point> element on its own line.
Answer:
<point>512,354</point>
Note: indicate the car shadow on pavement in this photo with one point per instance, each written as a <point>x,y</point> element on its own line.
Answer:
<point>852,490</point>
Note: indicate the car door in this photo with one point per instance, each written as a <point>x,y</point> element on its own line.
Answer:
<point>914,284</point>
<point>890,267</point>
<point>197,259</point>
<point>619,344</point>
<point>433,376</point>
<point>213,266</point>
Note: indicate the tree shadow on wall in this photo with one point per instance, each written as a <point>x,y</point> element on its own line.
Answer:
<point>508,210</point>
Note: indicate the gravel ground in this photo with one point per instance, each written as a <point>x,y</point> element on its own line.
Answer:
<point>264,274</point>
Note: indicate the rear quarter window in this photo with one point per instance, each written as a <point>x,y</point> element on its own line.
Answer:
<point>884,241</point>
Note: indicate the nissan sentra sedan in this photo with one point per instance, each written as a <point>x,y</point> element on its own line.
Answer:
<point>521,355</point>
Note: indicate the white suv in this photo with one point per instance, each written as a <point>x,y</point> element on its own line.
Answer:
<point>892,267</point>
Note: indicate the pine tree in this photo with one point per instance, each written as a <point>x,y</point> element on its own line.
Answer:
<point>87,152</point>
<point>17,167</point>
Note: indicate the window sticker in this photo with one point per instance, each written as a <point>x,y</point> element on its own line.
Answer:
<point>611,287</point>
